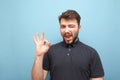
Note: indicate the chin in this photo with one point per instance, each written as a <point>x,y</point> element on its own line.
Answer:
<point>68,42</point>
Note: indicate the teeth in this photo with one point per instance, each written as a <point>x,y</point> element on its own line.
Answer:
<point>68,35</point>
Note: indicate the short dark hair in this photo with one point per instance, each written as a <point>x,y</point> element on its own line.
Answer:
<point>70,14</point>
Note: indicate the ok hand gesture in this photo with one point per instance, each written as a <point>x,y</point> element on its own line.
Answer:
<point>42,45</point>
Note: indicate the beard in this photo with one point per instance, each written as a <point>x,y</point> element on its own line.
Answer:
<point>71,41</point>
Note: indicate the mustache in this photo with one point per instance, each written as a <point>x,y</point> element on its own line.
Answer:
<point>68,33</point>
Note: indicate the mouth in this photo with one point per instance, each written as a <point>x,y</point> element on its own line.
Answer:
<point>68,37</point>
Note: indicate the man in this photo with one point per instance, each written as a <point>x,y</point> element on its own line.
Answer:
<point>69,59</point>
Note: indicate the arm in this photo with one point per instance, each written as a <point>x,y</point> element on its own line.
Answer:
<point>100,78</point>
<point>37,71</point>
<point>97,71</point>
<point>42,47</point>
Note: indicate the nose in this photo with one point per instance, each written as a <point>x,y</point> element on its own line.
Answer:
<point>66,29</point>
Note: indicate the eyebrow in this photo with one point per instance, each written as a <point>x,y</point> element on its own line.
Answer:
<point>67,25</point>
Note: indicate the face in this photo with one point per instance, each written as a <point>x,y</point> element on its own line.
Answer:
<point>69,29</point>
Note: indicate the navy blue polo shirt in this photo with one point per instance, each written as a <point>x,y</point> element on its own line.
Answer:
<point>72,62</point>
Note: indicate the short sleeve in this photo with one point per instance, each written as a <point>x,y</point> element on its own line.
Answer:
<point>46,62</point>
<point>96,67</point>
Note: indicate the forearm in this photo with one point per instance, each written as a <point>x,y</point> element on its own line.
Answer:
<point>37,70</point>
<point>42,47</point>
<point>100,78</point>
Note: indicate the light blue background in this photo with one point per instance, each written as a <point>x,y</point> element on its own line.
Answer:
<point>21,19</point>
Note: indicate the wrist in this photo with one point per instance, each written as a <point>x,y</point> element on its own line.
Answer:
<point>39,55</point>
<point>39,58</point>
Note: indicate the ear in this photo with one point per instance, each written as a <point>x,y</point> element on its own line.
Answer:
<point>79,27</point>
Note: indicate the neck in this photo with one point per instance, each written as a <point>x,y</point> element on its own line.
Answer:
<point>75,40</point>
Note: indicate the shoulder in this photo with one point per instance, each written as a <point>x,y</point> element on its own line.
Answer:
<point>91,52</point>
<point>87,47</point>
<point>55,47</point>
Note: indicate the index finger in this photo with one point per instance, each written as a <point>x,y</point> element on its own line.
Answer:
<point>42,36</point>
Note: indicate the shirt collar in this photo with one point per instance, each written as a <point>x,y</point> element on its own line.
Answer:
<point>72,44</point>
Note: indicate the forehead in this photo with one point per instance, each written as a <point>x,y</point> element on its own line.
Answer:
<point>68,21</point>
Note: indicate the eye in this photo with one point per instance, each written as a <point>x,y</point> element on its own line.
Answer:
<point>71,26</point>
<point>62,26</point>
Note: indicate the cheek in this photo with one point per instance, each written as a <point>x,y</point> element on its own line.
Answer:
<point>75,32</point>
<point>61,31</point>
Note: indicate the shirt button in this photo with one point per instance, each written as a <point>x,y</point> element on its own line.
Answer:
<point>69,49</point>
<point>68,54</point>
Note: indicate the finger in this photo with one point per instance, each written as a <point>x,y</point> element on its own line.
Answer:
<point>37,36</point>
<point>47,43</point>
<point>34,39</point>
<point>42,36</point>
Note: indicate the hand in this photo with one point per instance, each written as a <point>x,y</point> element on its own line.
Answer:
<point>42,45</point>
